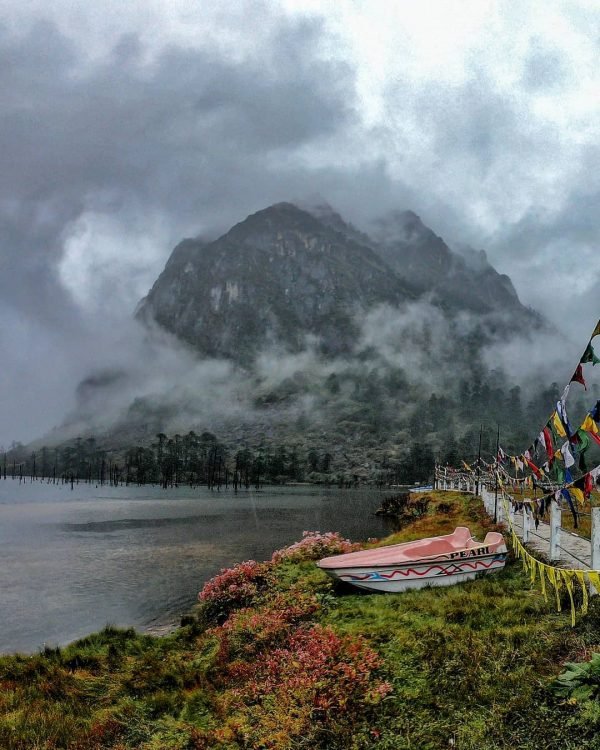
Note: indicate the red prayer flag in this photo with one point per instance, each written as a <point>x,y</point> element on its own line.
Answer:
<point>595,437</point>
<point>549,446</point>
<point>588,486</point>
<point>578,376</point>
<point>534,468</point>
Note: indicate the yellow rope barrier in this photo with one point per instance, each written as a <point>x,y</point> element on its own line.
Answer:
<point>558,577</point>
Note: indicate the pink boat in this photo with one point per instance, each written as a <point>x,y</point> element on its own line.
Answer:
<point>435,561</point>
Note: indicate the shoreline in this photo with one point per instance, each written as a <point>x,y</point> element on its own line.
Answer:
<point>287,638</point>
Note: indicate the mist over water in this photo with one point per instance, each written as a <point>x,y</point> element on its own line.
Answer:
<point>74,561</point>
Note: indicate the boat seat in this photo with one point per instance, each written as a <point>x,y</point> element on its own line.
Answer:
<point>460,538</point>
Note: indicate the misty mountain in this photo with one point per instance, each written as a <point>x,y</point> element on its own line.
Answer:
<point>277,277</point>
<point>287,273</point>
<point>313,343</point>
<point>463,280</point>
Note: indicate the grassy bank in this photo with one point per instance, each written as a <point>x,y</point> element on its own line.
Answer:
<point>278,657</point>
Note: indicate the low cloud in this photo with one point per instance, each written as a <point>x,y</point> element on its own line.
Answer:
<point>124,132</point>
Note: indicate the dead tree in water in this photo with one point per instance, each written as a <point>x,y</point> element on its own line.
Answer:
<point>45,471</point>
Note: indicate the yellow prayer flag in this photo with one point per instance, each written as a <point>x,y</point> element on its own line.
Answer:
<point>581,578</point>
<point>578,494</point>
<point>596,329</point>
<point>589,425</point>
<point>533,570</point>
<point>556,583</point>
<point>594,579</point>
<point>558,425</point>
<point>543,580</point>
<point>567,576</point>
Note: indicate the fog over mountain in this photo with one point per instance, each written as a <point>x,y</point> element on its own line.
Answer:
<point>297,328</point>
<point>126,129</point>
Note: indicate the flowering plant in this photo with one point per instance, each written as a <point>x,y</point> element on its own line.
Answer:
<point>234,588</point>
<point>314,546</point>
<point>249,630</point>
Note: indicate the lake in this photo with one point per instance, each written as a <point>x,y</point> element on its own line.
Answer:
<point>72,561</point>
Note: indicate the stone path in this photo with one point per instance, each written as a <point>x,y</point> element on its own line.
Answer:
<point>576,551</point>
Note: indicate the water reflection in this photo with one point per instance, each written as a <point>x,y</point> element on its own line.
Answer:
<point>73,561</point>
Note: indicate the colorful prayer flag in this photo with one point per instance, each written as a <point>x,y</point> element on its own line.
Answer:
<point>589,355</point>
<point>548,442</point>
<point>567,455</point>
<point>578,376</point>
<point>577,494</point>
<point>534,468</point>
<point>589,425</point>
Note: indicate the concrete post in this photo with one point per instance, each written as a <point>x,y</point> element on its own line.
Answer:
<point>526,519</point>
<point>595,539</point>
<point>555,518</point>
<point>511,512</point>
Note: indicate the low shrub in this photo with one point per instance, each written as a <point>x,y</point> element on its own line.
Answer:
<point>247,631</point>
<point>314,546</point>
<point>233,589</point>
<point>316,688</point>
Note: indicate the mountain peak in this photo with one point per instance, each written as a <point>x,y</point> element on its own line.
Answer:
<point>276,277</point>
<point>286,273</point>
<point>398,226</point>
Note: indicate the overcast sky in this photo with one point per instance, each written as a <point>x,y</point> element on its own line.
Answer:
<point>126,126</point>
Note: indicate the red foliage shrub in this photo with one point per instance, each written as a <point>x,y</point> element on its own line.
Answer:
<point>314,546</point>
<point>234,588</point>
<point>247,631</point>
<point>316,685</point>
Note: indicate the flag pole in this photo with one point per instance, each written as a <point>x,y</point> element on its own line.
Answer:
<point>478,463</point>
<point>496,485</point>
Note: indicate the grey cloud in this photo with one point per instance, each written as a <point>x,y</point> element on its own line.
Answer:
<point>540,187</point>
<point>191,142</point>
<point>190,136</point>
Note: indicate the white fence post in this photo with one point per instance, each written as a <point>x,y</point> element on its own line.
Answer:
<point>595,561</point>
<point>525,524</point>
<point>555,517</point>
<point>486,500</point>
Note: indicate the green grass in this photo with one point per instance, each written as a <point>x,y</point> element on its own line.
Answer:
<point>473,664</point>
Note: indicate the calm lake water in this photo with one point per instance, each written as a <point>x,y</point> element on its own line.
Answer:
<point>72,561</point>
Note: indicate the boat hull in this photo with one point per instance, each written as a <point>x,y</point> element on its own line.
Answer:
<point>416,575</point>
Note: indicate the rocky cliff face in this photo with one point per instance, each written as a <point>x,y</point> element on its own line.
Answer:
<point>285,274</point>
<point>277,277</point>
<point>455,280</point>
